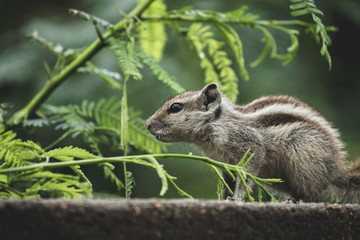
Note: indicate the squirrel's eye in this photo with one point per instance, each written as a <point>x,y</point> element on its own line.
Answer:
<point>175,107</point>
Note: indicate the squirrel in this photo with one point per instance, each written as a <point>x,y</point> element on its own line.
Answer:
<point>290,140</point>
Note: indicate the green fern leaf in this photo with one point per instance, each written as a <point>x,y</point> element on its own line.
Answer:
<point>241,16</point>
<point>64,55</point>
<point>124,120</point>
<point>39,122</point>
<point>130,183</point>
<point>15,152</point>
<point>88,17</point>
<point>57,185</point>
<point>69,153</point>
<point>305,7</point>
<point>161,173</point>
<point>162,75</point>
<point>236,45</point>
<point>129,63</point>
<point>95,120</point>
<point>215,62</point>
<point>109,174</point>
<point>198,34</point>
<point>98,111</point>
<point>152,34</point>
<point>271,46</point>
<point>111,78</point>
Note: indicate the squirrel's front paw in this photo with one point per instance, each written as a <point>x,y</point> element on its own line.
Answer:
<point>289,200</point>
<point>232,199</point>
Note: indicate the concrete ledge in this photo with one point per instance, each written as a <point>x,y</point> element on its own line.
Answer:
<point>175,219</point>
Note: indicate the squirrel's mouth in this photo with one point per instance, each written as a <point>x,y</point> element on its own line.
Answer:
<point>159,133</point>
<point>161,137</point>
<point>158,137</point>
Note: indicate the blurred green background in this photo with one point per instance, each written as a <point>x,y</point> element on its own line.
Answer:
<point>334,93</point>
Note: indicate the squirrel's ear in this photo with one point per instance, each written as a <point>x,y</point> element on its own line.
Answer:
<point>211,96</point>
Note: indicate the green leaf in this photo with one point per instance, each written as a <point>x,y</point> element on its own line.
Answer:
<point>162,75</point>
<point>88,17</point>
<point>109,174</point>
<point>214,61</point>
<point>242,161</point>
<point>236,45</point>
<point>101,120</point>
<point>129,63</point>
<point>14,152</point>
<point>111,78</point>
<point>124,129</point>
<point>161,173</point>
<point>305,7</point>
<point>179,190</point>
<point>240,15</point>
<point>152,34</point>
<point>221,181</point>
<point>69,152</point>
<point>64,56</point>
<point>271,46</point>
<point>130,183</point>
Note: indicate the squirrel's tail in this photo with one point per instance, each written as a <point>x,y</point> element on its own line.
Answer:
<point>347,187</point>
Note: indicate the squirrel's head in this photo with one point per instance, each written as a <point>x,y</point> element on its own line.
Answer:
<point>183,117</point>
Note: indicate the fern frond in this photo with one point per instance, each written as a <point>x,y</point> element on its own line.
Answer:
<point>124,120</point>
<point>88,17</point>
<point>305,7</point>
<point>241,16</point>
<point>161,173</point>
<point>39,183</point>
<point>162,75</point>
<point>152,34</point>
<point>109,174</point>
<point>69,153</point>
<point>55,48</point>
<point>129,63</point>
<point>64,55</point>
<point>15,152</point>
<point>38,122</point>
<point>235,43</point>
<point>130,183</point>
<point>198,34</point>
<point>223,64</point>
<point>271,46</point>
<point>214,61</point>
<point>90,118</point>
<point>55,184</point>
<point>111,78</point>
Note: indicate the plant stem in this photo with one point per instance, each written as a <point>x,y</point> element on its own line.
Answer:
<point>126,159</point>
<point>14,190</point>
<point>90,51</point>
<point>186,18</point>
<point>125,135</point>
<point>140,159</point>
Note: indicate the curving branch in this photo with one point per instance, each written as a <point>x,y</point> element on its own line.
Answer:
<point>85,55</point>
<point>150,160</point>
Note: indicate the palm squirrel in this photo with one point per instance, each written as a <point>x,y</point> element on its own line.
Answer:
<point>289,139</point>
